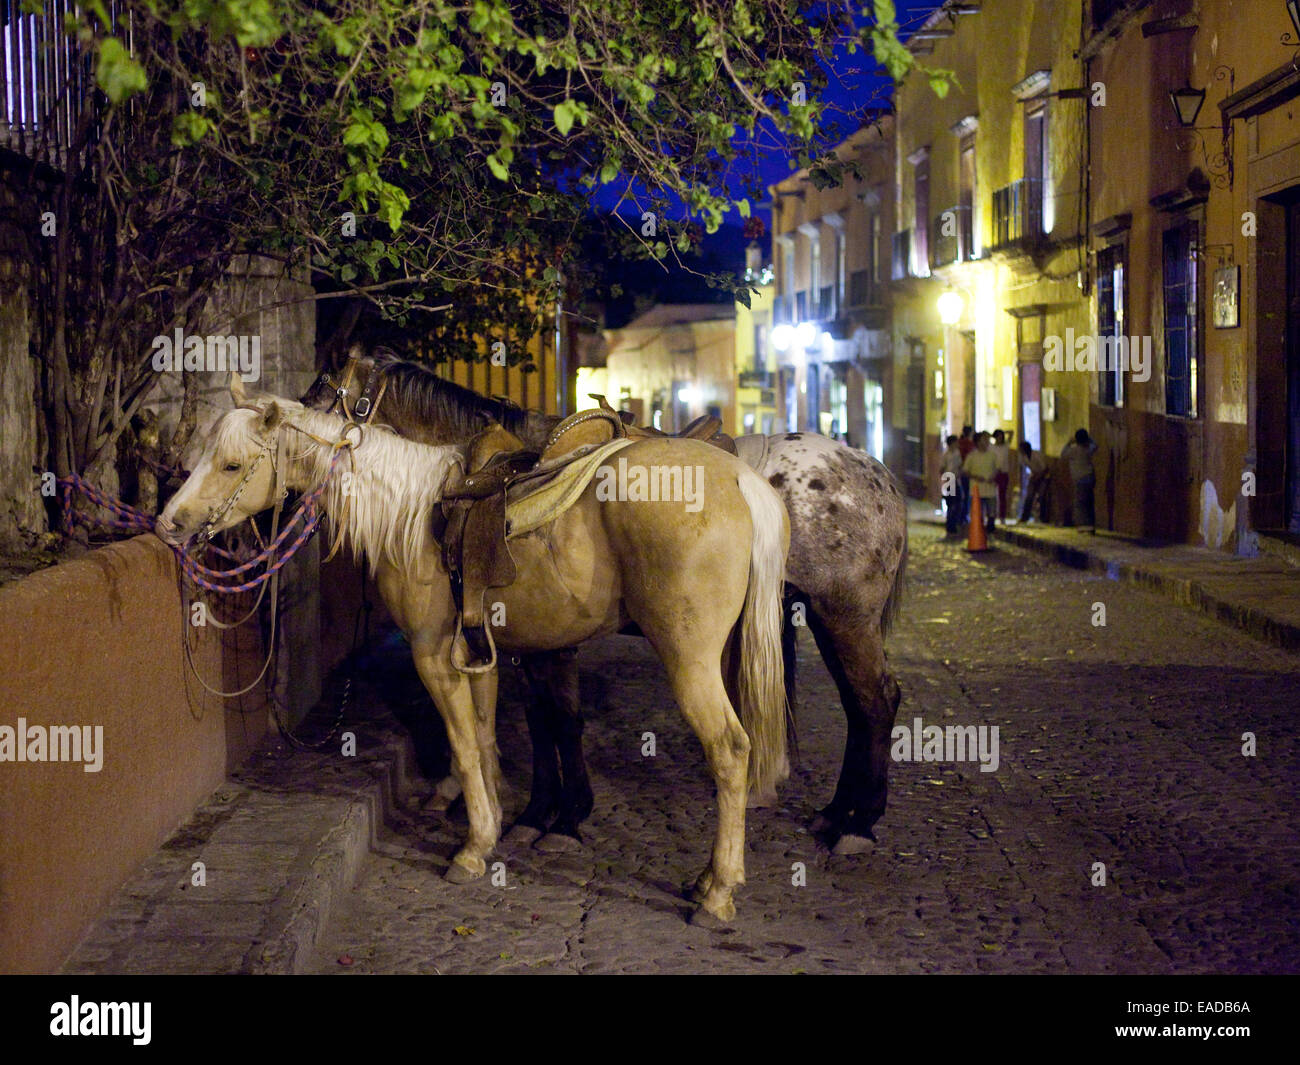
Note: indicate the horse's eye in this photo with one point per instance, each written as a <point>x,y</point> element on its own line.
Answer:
<point>232,467</point>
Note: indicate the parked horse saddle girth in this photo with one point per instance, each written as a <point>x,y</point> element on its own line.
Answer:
<point>503,477</point>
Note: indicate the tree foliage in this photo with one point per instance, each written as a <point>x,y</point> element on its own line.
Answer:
<point>437,160</point>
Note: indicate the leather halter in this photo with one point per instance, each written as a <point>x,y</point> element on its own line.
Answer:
<point>367,404</point>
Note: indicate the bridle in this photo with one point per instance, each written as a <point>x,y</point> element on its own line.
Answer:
<point>372,391</point>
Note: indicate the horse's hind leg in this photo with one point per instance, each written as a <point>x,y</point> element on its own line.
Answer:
<point>542,799</point>
<point>702,697</point>
<point>854,652</point>
<point>556,725</point>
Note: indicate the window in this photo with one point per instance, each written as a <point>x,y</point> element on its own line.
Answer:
<point>966,198</point>
<point>1037,170</point>
<point>1110,325</point>
<point>760,347</point>
<point>874,264</point>
<point>1181,299</point>
<point>921,230</point>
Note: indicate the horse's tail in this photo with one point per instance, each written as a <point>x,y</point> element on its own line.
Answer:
<point>760,680</point>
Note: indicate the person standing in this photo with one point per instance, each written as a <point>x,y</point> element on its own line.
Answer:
<point>981,467</point>
<point>1078,453</point>
<point>1002,453</point>
<point>951,486</point>
<point>1037,488</point>
<point>965,445</point>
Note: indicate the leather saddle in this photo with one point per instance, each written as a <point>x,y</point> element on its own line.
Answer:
<point>472,525</point>
<point>473,519</point>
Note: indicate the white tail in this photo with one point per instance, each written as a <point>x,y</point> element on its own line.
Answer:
<point>760,687</point>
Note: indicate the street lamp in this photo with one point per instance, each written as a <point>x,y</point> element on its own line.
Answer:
<point>950,307</point>
<point>1187,104</point>
<point>805,333</point>
<point>782,336</point>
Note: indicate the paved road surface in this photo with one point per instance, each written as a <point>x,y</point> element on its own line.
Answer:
<point>1119,745</point>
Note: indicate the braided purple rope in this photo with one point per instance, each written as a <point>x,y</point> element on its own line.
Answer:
<point>130,518</point>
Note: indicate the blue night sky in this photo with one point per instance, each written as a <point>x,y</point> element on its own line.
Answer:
<point>855,83</point>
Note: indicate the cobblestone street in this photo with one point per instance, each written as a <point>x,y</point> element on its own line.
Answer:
<point>1119,744</point>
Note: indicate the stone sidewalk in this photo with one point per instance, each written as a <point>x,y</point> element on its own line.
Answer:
<point>1259,595</point>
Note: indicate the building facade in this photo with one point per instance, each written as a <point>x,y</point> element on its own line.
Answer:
<point>989,259</point>
<point>830,333</point>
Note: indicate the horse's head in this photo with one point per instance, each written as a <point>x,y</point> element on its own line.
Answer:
<point>324,391</point>
<point>234,479</point>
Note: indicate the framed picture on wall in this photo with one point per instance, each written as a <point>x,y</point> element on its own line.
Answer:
<point>1227,280</point>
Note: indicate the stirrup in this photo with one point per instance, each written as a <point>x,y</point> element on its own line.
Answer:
<point>463,666</point>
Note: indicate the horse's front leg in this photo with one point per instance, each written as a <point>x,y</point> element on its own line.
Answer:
<point>475,768</point>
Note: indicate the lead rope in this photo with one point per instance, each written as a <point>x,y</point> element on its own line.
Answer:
<point>345,700</point>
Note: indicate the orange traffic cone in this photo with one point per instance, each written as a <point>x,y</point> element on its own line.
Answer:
<point>977,541</point>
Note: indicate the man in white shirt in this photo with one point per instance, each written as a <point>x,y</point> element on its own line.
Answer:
<point>981,466</point>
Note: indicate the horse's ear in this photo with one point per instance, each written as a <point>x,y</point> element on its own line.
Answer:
<point>272,416</point>
<point>237,392</point>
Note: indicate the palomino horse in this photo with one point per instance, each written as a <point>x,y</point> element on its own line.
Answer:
<point>703,583</point>
<point>844,578</point>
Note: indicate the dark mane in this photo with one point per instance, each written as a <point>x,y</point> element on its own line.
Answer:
<point>459,411</point>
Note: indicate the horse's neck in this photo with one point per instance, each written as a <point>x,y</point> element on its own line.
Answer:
<point>381,494</point>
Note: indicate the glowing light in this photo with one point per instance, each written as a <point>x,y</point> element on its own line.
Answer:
<point>805,333</point>
<point>686,395</point>
<point>782,336</point>
<point>950,307</point>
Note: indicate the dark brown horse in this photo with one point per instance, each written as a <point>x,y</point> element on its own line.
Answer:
<point>844,577</point>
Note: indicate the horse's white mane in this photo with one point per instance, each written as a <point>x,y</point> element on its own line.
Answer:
<point>390,493</point>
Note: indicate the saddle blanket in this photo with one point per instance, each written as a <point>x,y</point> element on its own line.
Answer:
<point>542,498</point>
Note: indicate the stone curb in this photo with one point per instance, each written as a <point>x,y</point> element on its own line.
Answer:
<point>279,857</point>
<point>1184,590</point>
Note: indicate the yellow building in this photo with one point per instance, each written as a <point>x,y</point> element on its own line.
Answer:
<point>757,408</point>
<point>669,365</point>
<point>1197,217</point>
<point>990,256</point>
<point>829,319</point>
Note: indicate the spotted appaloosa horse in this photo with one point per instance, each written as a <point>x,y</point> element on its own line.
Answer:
<point>844,579</point>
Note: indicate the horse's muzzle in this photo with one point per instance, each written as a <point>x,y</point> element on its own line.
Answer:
<point>167,531</point>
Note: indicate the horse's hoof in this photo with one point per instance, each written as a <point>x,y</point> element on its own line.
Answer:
<point>761,800</point>
<point>702,887</point>
<point>458,874</point>
<point>558,843</point>
<point>521,835</point>
<point>849,844</point>
<point>716,919</point>
<point>820,823</point>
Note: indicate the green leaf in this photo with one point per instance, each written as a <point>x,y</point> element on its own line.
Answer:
<point>497,167</point>
<point>565,112</point>
<point>118,74</point>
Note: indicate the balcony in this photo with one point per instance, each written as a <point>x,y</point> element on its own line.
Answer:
<point>825,303</point>
<point>1018,214</point>
<point>755,379</point>
<point>783,310</point>
<point>953,240</point>
<point>902,256</point>
<point>862,293</point>
<point>865,304</point>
